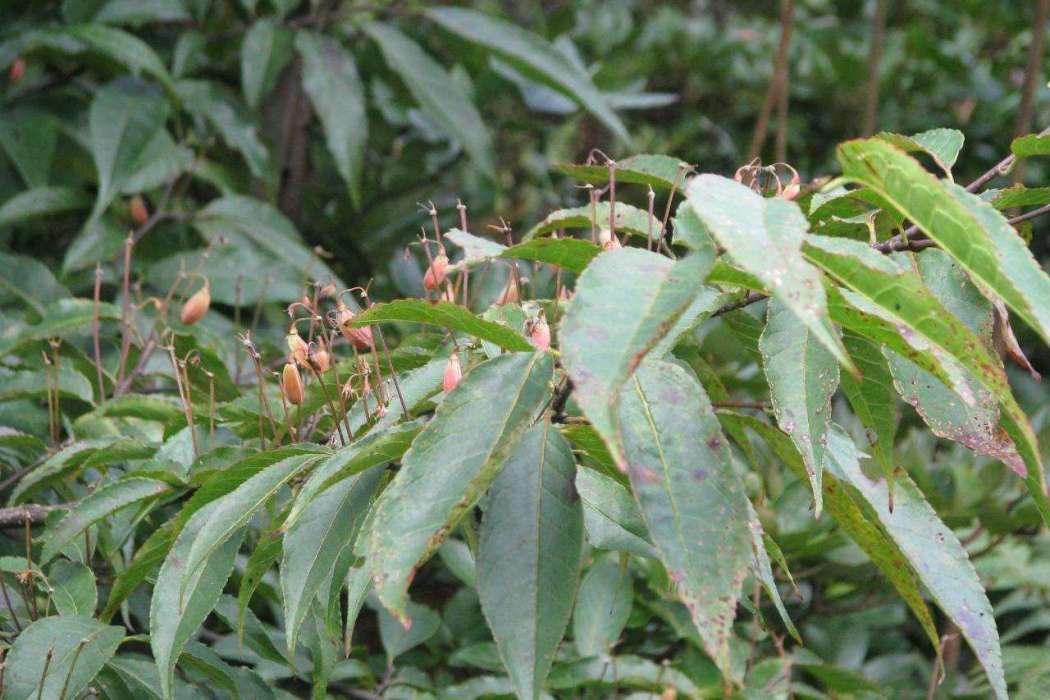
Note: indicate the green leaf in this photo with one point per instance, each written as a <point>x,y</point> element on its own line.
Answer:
<point>313,543</point>
<point>529,550</point>
<point>28,138</point>
<point>216,105</point>
<point>604,604</point>
<point>228,514</point>
<point>965,227</point>
<point>183,596</point>
<point>762,569</point>
<point>450,465</point>
<point>441,97</point>
<point>447,315</point>
<point>1019,196</point>
<point>947,415</point>
<point>657,171</point>
<point>31,281</point>
<point>105,450</point>
<point>42,201</point>
<point>1030,145</point>
<point>532,56</point>
<point>881,549</point>
<point>62,636</point>
<point>248,222</point>
<point>611,516</point>
<point>931,547</point>
<point>475,248</point>
<point>124,48</point>
<point>943,145</point>
<point>628,219</point>
<point>802,376</point>
<point>124,119</point>
<point>265,51</point>
<point>73,588</point>
<point>764,237</point>
<point>690,496</point>
<point>398,639</point>
<point>873,398</point>
<point>626,301</point>
<point>689,230</point>
<point>96,506</point>
<point>59,319</point>
<point>570,254</point>
<point>376,448</point>
<point>331,80</point>
<point>37,383</point>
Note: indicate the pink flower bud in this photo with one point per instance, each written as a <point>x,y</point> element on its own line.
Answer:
<point>540,333</point>
<point>453,373</point>
<point>436,273</point>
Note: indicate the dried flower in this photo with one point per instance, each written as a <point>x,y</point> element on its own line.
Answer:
<point>292,383</point>
<point>540,333</point>
<point>360,338</point>
<point>436,273</point>
<point>196,306</point>
<point>453,373</point>
<point>320,359</point>
<point>298,348</point>
<point>138,210</point>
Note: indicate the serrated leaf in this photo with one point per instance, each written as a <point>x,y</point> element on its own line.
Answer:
<point>968,229</point>
<point>96,506</point>
<point>873,398</point>
<point>943,145</point>
<point>331,80</point>
<point>42,201</point>
<point>682,472</point>
<point>932,549</point>
<point>626,302</point>
<point>611,516</point>
<point>570,254</point>
<point>265,51</point>
<point>73,589</point>
<point>314,541</point>
<point>376,448</point>
<point>1019,196</point>
<point>231,512</point>
<point>447,315</point>
<point>533,56</point>
<point>628,219</point>
<point>441,97</point>
<point>105,450</point>
<point>1030,145</point>
<point>183,596</point>
<point>62,636</point>
<point>451,463</point>
<point>604,604</point>
<point>764,237</point>
<point>529,549</point>
<point>657,171</point>
<point>802,376</point>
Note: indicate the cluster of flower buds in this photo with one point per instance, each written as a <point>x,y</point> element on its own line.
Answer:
<point>196,306</point>
<point>360,338</point>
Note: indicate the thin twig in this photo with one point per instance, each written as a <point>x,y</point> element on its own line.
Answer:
<point>95,328</point>
<point>776,84</point>
<point>1032,74</point>
<point>870,117</point>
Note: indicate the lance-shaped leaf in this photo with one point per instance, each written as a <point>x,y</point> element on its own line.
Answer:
<point>313,543</point>
<point>964,226</point>
<point>691,498</point>
<point>124,48</point>
<point>441,97</point>
<point>450,465</point>
<point>762,569</point>
<point>764,237</point>
<point>370,451</point>
<point>42,201</point>
<point>98,505</point>
<point>975,426</point>
<point>229,514</point>
<point>529,549</point>
<point>873,398</point>
<point>610,514</point>
<point>897,296</point>
<point>628,219</point>
<point>570,254</point>
<point>71,649</point>
<point>943,145</point>
<point>626,301</point>
<point>446,315</point>
<point>265,51</point>
<point>533,56</point>
<point>933,551</point>
<point>882,550</point>
<point>1030,145</point>
<point>59,318</point>
<point>658,171</point>
<point>605,601</point>
<point>803,376</point>
<point>183,597</point>
<point>331,80</point>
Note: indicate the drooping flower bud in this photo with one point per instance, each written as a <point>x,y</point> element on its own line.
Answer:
<point>453,373</point>
<point>298,348</point>
<point>436,273</point>
<point>320,359</point>
<point>18,69</point>
<point>292,384</point>
<point>540,333</point>
<point>138,210</point>
<point>196,306</point>
<point>510,294</point>
<point>360,338</point>
<point>608,241</point>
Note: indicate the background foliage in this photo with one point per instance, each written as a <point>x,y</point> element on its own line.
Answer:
<point>259,145</point>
